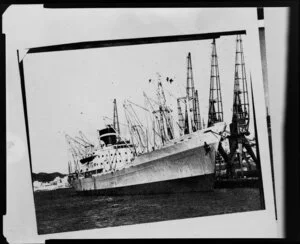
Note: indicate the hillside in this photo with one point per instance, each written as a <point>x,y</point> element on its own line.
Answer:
<point>46,177</point>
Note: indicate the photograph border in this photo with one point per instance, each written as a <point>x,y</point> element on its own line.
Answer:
<point>292,99</point>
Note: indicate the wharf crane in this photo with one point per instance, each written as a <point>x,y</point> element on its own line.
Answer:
<point>240,148</point>
<point>191,120</point>
<point>215,111</point>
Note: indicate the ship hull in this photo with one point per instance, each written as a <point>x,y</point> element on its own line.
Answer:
<point>185,165</point>
<point>200,183</point>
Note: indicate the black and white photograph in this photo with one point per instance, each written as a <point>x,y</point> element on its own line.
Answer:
<point>139,115</point>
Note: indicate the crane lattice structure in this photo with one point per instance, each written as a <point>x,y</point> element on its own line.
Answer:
<point>215,111</point>
<point>240,147</point>
<point>240,97</point>
<point>191,120</point>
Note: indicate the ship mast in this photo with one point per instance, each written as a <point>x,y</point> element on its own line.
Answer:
<point>155,120</point>
<point>165,111</point>
<point>136,128</point>
<point>162,114</point>
<point>116,124</point>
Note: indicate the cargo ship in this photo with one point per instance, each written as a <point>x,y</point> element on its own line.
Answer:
<point>170,164</point>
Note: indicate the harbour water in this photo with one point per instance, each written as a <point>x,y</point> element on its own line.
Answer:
<point>63,210</point>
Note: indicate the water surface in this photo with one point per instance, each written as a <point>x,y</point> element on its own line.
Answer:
<point>63,210</point>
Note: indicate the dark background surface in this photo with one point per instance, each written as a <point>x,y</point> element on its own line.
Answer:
<point>291,134</point>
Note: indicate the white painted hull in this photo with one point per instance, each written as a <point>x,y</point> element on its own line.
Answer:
<point>182,159</point>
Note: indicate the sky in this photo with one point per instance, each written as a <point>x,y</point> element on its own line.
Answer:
<point>70,91</point>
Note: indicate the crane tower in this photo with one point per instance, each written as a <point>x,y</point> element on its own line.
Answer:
<point>215,111</point>
<point>240,148</point>
<point>191,118</point>
<point>240,116</point>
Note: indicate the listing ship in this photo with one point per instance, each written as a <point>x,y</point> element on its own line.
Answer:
<point>184,164</point>
<point>159,160</point>
<point>167,164</point>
